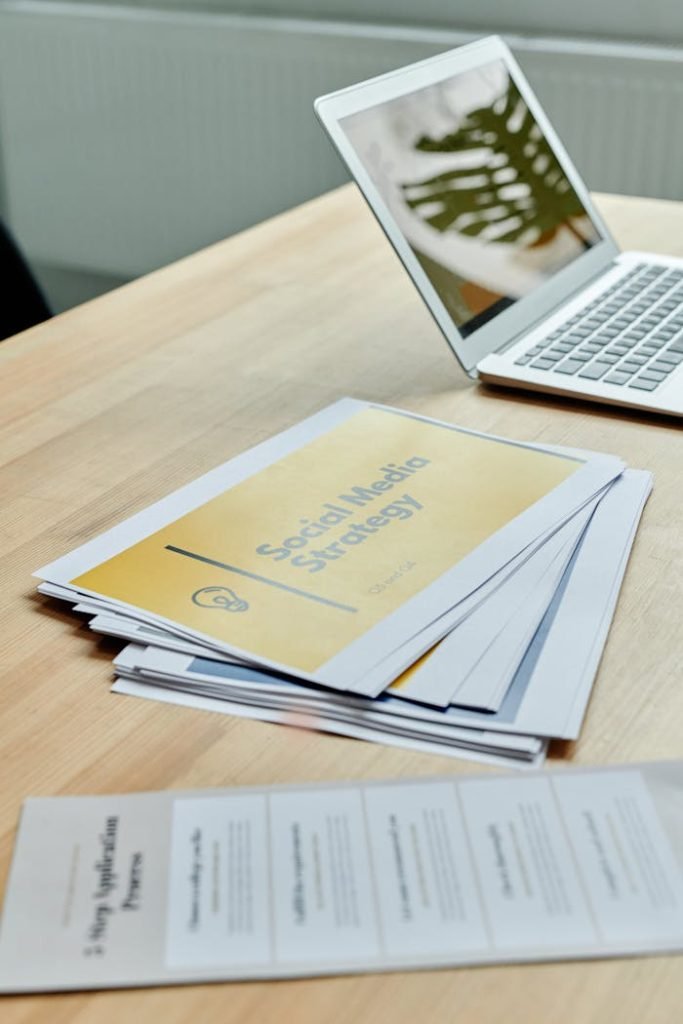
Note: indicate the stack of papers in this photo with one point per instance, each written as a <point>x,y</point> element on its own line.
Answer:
<point>377,574</point>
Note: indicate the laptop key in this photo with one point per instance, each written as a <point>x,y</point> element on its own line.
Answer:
<point>561,346</point>
<point>568,366</point>
<point>523,360</point>
<point>662,367</point>
<point>583,357</point>
<point>542,364</point>
<point>595,371</point>
<point>644,385</point>
<point>651,374</point>
<point>617,378</point>
<point>670,357</point>
<point>575,339</point>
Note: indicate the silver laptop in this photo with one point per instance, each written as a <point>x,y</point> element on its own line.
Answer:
<point>491,220</point>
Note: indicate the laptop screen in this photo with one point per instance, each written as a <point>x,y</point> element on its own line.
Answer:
<point>475,188</point>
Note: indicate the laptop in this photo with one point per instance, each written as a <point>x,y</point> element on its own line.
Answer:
<point>494,225</point>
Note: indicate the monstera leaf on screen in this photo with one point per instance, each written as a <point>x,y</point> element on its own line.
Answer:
<point>512,190</point>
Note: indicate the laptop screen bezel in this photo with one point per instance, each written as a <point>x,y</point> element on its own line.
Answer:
<point>332,109</point>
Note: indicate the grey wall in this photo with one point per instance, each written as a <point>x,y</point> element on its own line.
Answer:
<point>130,137</point>
<point>636,20</point>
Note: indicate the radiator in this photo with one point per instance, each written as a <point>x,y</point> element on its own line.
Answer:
<point>131,137</point>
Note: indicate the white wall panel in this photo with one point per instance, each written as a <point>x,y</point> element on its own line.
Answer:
<point>129,137</point>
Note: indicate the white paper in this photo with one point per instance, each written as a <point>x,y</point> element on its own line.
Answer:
<point>499,749</point>
<point>162,888</point>
<point>454,672</point>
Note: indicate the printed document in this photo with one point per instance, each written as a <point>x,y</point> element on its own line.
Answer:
<point>325,550</point>
<point>155,888</point>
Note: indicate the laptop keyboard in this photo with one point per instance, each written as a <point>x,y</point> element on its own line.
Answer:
<point>629,336</point>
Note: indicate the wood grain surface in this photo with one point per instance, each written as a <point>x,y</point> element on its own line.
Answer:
<point>116,403</point>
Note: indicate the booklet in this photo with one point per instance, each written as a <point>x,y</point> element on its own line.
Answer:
<point>337,550</point>
<point>548,695</point>
<point>516,606</point>
<point>288,881</point>
<point>516,598</point>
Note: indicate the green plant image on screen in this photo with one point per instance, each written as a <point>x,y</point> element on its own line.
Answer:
<point>475,189</point>
<point>516,184</point>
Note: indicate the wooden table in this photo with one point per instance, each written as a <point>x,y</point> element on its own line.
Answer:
<point>114,404</point>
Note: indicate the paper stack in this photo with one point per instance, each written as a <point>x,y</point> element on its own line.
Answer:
<point>377,574</point>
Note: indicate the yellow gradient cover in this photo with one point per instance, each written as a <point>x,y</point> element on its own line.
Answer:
<point>303,557</point>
